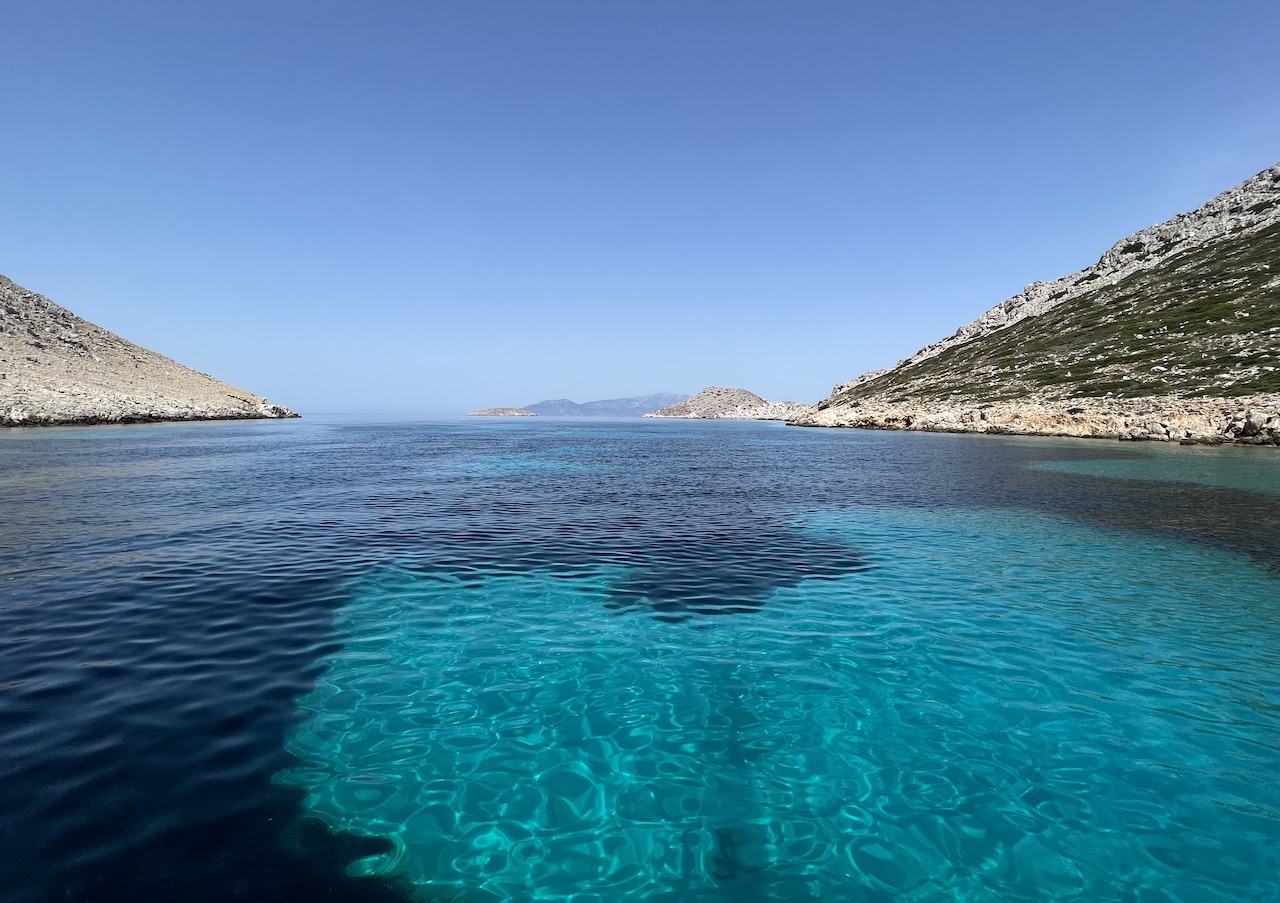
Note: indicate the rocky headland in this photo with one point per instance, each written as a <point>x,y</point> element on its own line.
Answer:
<point>59,369</point>
<point>502,412</point>
<point>717,403</point>
<point>1173,335</point>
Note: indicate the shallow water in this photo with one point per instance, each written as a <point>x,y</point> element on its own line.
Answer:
<point>671,661</point>
<point>1230,468</point>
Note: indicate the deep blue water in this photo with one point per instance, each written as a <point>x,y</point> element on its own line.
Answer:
<point>674,661</point>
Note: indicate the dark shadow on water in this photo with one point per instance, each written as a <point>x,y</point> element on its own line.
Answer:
<point>728,861</point>
<point>250,859</point>
<point>147,777</point>
<point>730,573</point>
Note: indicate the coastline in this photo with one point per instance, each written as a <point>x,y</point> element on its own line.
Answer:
<point>92,406</point>
<point>1246,420</point>
<point>37,421</point>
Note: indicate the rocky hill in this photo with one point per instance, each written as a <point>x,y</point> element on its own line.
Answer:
<point>502,412</point>
<point>636,406</point>
<point>716,403</point>
<point>56,368</point>
<point>1173,334</point>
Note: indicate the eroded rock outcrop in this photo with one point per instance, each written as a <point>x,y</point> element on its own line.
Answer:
<point>57,368</point>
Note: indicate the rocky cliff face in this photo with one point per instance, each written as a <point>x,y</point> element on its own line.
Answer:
<point>716,403</point>
<point>1177,324</point>
<point>56,368</point>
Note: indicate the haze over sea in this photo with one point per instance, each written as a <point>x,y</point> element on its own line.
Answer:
<point>338,659</point>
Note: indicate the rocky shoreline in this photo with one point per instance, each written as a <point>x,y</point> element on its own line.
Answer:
<point>1248,420</point>
<point>118,411</point>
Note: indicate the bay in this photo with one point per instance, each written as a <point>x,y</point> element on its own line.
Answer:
<point>508,660</point>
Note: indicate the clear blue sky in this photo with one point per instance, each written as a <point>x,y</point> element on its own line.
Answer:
<point>424,207</point>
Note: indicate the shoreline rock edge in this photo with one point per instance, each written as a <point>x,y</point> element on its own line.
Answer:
<point>1248,420</point>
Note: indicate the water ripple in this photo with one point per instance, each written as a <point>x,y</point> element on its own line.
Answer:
<point>168,594</point>
<point>913,728</point>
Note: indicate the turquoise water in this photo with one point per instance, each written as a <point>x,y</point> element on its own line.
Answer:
<point>344,661</point>
<point>1002,705</point>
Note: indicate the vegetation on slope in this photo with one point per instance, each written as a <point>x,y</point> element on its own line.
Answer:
<point>1204,322</point>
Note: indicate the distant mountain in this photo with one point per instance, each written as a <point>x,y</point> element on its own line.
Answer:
<point>556,407</point>
<point>56,368</point>
<point>637,406</point>
<point>1174,334</point>
<point>717,403</point>
<point>502,412</point>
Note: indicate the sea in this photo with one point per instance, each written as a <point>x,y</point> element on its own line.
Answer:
<point>344,659</point>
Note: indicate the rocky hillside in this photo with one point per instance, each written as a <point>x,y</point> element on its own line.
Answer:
<point>56,368</point>
<point>715,403</point>
<point>1173,334</point>
<point>502,412</point>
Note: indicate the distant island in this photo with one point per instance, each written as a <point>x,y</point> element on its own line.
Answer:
<point>59,369</point>
<point>1173,335</point>
<point>717,403</point>
<point>636,406</point>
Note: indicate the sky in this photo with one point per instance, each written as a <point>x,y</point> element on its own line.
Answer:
<point>417,207</point>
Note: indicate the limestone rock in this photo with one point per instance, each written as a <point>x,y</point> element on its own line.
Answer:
<point>57,368</point>
<point>1208,421</point>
